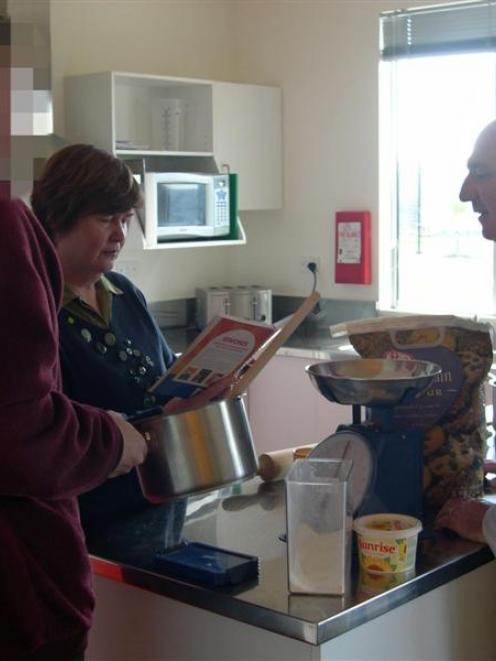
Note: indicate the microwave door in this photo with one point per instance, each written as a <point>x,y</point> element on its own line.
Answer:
<point>181,210</point>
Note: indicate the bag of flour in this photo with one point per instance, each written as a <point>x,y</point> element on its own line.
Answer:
<point>451,411</point>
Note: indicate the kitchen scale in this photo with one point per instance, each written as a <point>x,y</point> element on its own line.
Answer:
<point>387,453</point>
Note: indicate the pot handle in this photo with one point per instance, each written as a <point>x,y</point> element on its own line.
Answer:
<point>144,414</point>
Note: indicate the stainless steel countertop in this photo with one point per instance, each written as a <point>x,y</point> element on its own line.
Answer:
<point>250,518</point>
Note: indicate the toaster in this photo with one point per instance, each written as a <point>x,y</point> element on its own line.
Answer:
<point>248,302</point>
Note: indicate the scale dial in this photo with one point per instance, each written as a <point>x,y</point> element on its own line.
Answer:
<point>354,446</point>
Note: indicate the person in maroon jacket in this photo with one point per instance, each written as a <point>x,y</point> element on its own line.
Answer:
<point>51,450</point>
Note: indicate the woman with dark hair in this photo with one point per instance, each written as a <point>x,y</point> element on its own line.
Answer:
<point>111,349</point>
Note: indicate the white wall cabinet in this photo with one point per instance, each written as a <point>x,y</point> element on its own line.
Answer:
<point>247,139</point>
<point>144,115</point>
<point>285,410</point>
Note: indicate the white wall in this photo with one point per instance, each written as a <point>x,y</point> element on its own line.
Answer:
<point>324,55</point>
<point>186,38</point>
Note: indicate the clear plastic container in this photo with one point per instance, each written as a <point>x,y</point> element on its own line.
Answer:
<point>318,526</point>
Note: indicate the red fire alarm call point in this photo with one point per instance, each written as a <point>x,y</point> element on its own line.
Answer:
<point>352,262</point>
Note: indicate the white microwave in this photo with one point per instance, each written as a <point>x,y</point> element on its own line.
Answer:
<point>180,205</point>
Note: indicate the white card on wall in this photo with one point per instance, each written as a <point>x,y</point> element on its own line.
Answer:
<point>349,243</point>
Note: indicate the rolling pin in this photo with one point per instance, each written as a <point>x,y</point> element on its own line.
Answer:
<point>275,465</point>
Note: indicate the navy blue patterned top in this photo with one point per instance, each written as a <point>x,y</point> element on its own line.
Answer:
<point>111,365</point>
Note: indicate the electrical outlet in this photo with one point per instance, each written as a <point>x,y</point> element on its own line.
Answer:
<point>128,267</point>
<point>304,261</point>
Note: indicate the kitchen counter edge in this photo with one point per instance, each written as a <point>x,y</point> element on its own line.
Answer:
<point>316,633</point>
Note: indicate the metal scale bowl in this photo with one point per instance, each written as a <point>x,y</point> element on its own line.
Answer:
<point>387,461</point>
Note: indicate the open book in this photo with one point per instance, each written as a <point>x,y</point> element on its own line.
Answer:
<point>224,346</point>
<point>230,351</point>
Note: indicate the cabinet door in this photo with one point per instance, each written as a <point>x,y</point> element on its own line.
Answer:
<point>285,410</point>
<point>247,138</point>
<point>240,124</point>
<point>89,110</point>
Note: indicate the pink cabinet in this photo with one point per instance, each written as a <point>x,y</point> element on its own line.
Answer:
<point>284,408</point>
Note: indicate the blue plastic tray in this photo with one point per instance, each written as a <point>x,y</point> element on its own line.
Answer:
<point>209,565</point>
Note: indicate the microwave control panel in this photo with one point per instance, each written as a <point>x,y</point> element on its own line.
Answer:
<point>221,200</point>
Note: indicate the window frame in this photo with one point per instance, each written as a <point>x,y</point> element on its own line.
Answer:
<point>389,273</point>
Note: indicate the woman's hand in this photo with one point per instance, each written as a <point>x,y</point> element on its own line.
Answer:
<point>134,449</point>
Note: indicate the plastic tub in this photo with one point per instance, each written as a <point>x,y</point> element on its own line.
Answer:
<point>387,543</point>
<point>371,584</point>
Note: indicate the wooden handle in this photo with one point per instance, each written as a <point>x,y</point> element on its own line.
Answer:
<point>274,344</point>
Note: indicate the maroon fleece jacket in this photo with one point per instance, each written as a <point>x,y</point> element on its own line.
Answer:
<point>51,450</point>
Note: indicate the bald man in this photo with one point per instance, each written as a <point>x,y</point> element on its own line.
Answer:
<point>479,186</point>
<point>466,516</point>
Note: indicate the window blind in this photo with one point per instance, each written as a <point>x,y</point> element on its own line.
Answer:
<point>442,29</point>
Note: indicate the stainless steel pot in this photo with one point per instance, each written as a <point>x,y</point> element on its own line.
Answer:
<point>197,450</point>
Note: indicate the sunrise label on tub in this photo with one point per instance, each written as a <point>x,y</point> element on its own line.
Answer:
<point>387,543</point>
